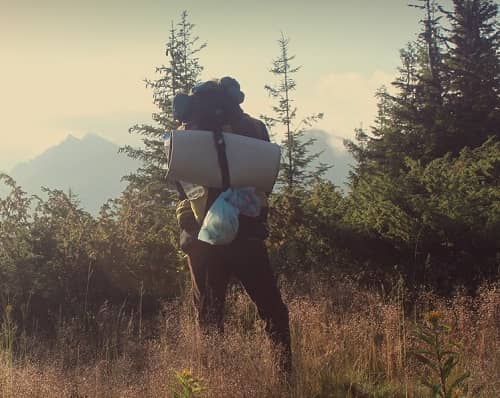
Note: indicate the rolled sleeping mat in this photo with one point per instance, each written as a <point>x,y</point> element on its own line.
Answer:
<point>193,157</point>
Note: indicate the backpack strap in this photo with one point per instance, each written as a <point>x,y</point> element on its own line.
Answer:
<point>220,147</point>
<point>180,191</point>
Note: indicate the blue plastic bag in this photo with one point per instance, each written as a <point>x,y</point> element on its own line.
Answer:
<point>245,200</point>
<point>221,223</point>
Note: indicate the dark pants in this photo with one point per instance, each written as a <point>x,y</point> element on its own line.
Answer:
<point>246,259</point>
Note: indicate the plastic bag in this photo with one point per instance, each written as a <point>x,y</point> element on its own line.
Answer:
<point>245,200</point>
<point>221,223</point>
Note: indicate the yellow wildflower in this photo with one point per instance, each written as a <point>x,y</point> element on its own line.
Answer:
<point>186,372</point>
<point>433,316</point>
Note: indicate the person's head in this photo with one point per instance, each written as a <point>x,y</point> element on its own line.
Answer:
<point>211,105</point>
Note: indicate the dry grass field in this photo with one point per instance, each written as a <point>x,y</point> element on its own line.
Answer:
<point>348,342</point>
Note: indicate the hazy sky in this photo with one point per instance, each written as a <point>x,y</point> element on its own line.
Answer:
<point>78,66</point>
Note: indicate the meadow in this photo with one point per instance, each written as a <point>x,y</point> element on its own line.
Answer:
<point>348,342</point>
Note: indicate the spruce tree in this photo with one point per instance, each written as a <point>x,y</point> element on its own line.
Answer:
<point>445,106</point>
<point>180,74</point>
<point>474,72</point>
<point>145,212</point>
<point>430,41</point>
<point>419,128</point>
<point>381,147</point>
<point>414,118</point>
<point>297,161</point>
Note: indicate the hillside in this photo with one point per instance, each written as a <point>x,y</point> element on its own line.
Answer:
<point>91,167</point>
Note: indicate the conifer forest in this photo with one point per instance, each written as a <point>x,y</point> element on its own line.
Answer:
<point>392,284</point>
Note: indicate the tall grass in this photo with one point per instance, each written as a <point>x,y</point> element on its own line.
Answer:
<point>347,342</point>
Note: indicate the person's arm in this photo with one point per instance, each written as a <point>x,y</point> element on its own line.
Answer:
<point>188,225</point>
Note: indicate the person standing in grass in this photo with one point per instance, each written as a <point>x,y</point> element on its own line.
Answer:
<point>215,106</point>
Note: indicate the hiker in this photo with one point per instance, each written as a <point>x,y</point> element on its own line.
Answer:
<point>215,106</point>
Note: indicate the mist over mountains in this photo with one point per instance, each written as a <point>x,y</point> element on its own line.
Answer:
<point>92,168</point>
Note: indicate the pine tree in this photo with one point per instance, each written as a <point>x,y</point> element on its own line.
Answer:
<point>179,75</point>
<point>431,41</point>
<point>446,101</point>
<point>145,212</point>
<point>381,147</point>
<point>474,72</point>
<point>413,122</point>
<point>418,111</point>
<point>297,161</point>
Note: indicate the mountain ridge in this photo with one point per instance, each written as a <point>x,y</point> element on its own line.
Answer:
<point>90,167</point>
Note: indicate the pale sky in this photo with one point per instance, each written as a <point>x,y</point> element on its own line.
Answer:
<point>78,66</point>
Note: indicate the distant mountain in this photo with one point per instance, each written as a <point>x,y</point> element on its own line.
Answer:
<point>91,167</point>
